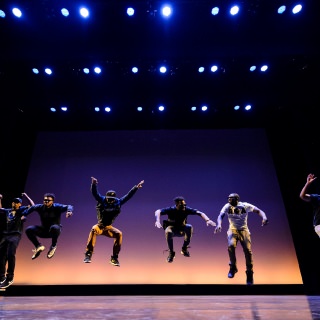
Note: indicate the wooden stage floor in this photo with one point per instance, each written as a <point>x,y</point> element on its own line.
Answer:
<point>260,307</point>
<point>158,302</point>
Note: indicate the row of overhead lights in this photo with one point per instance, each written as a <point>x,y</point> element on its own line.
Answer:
<point>165,10</point>
<point>162,69</point>
<point>160,108</point>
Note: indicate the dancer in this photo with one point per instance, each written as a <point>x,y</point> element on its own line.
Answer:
<point>177,226</point>
<point>238,230</point>
<point>108,208</point>
<point>10,238</point>
<point>50,217</point>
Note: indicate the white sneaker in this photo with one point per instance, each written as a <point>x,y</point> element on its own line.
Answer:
<point>37,251</point>
<point>51,252</point>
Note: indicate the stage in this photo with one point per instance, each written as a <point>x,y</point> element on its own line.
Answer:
<point>273,307</point>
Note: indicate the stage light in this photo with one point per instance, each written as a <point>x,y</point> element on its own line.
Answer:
<point>107,109</point>
<point>35,71</point>
<point>234,10</point>
<point>237,107</point>
<point>48,71</point>
<point>52,109</point>
<point>166,11</point>
<point>201,69</point>
<point>297,9</point>
<point>86,70</point>
<point>96,109</point>
<point>139,109</point>
<point>17,12</point>
<point>161,108</point>
<point>193,108</point>
<point>281,9</point>
<point>2,14</point>
<point>264,68</point>
<point>134,69</point>
<point>97,70</point>
<point>163,69</point>
<point>65,12</point>
<point>247,107</point>
<point>215,11</point>
<point>84,12</point>
<point>64,109</point>
<point>252,68</point>
<point>204,108</point>
<point>130,12</point>
<point>214,68</point>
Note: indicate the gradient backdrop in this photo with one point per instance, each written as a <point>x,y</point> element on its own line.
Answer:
<point>204,166</point>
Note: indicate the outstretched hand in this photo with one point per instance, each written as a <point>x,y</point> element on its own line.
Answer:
<point>94,180</point>
<point>265,222</point>
<point>211,223</point>
<point>311,178</point>
<point>217,229</point>
<point>158,225</point>
<point>139,185</point>
<point>69,214</point>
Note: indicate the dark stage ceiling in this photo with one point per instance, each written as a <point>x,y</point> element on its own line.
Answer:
<point>190,38</point>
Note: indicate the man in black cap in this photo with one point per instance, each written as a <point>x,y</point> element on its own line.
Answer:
<point>10,238</point>
<point>108,208</point>
<point>238,230</point>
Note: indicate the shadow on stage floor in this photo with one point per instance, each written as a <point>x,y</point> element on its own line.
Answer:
<point>106,290</point>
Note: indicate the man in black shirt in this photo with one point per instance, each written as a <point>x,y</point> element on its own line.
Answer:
<point>13,220</point>
<point>108,208</point>
<point>50,217</point>
<point>176,225</point>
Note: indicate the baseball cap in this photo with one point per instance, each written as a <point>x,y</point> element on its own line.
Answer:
<point>17,200</point>
<point>111,194</point>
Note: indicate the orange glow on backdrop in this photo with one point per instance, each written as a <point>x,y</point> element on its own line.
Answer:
<point>204,166</point>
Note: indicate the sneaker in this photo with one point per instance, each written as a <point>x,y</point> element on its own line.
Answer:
<point>87,257</point>
<point>2,280</point>
<point>171,256</point>
<point>51,252</point>
<point>185,251</point>
<point>37,251</point>
<point>114,261</point>
<point>7,283</point>
<point>233,270</point>
<point>249,277</point>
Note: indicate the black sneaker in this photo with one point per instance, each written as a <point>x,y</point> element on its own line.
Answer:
<point>233,270</point>
<point>2,280</point>
<point>51,252</point>
<point>114,261</point>
<point>185,252</point>
<point>7,283</point>
<point>37,251</point>
<point>87,257</point>
<point>171,256</point>
<point>249,277</point>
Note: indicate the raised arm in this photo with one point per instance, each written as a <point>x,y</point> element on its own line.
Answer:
<point>303,193</point>
<point>31,203</point>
